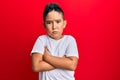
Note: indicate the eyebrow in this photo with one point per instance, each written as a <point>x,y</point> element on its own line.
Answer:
<point>54,20</point>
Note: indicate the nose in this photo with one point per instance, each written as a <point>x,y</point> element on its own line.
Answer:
<point>54,25</point>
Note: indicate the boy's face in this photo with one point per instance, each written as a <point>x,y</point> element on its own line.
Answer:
<point>54,24</point>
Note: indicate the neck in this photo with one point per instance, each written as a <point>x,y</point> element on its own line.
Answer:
<point>56,38</point>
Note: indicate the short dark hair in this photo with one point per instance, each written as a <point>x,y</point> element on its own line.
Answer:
<point>50,7</point>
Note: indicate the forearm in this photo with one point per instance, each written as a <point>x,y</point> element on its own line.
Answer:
<point>61,62</point>
<point>42,66</point>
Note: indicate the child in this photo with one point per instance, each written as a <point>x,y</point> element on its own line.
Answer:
<point>54,55</point>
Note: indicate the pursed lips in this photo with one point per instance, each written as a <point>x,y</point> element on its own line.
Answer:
<point>54,32</point>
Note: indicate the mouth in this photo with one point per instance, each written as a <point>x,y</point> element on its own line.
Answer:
<point>55,32</point>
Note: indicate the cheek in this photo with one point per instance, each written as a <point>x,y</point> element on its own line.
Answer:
<point>61,26</point>
<point>61,30</point>
<point>49,29</point>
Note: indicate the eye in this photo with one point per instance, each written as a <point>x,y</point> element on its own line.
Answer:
<point>48,22</point>
<point>58,21</point>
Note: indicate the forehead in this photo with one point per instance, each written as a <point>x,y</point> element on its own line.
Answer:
<point>54,15</point>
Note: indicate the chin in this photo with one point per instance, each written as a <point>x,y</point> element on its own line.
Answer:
<point>55,37</point>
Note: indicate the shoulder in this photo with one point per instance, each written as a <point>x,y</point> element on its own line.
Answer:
<point>70,37</point>
<point>42,37</point>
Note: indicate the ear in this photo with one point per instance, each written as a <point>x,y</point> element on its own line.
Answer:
<point>64,23</point>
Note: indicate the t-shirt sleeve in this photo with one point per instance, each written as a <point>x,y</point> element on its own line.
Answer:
<point>72,49</point>
<point>38,46</point>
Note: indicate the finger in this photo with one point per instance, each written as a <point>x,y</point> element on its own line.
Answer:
<point>45,47</point>
<point>64,56</point>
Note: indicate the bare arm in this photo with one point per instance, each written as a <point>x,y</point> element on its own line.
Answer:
<point>69,63</point>
<point>38,64</point>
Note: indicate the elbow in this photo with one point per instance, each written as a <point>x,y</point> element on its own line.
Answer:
<point>35,69</point>
<point>73,63</point>
<point>72,67</point>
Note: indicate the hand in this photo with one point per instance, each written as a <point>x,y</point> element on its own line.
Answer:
<point>64,56</point>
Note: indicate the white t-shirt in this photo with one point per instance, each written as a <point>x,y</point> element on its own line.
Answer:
<point>64,46</point>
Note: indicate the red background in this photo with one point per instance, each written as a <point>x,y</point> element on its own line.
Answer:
<point>94,23</point>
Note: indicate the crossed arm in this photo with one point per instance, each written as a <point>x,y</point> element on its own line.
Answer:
<point>48,62</point>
